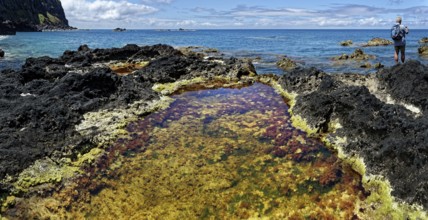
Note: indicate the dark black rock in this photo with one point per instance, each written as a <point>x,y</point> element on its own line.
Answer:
<point>1,53</point>
<point>7,28</point>
<point>408,83</point>
<point>41,103</point>
<point>30,15</point>
<point>392,141</point>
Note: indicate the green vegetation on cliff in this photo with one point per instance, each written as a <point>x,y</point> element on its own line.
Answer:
<point>33,15</point>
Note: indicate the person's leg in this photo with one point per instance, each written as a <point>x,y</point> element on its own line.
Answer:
<point>403,53</point>
<point>396,54</point>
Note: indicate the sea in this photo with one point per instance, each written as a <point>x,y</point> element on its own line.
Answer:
<point>309,48</point>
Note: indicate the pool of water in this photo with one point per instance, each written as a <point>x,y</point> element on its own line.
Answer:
<point>214,154</point>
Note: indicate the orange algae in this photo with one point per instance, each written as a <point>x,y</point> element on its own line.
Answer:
<point>213,154</point>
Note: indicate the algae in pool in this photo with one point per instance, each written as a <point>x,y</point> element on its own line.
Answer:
<point>219,154</point>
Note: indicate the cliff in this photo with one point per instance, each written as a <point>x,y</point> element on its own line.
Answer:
<point>31,15</point>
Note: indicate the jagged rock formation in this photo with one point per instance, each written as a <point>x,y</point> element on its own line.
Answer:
<point>32,15</point>
<point>43,102</point>
<point>378,42</point>
<point>390,135</point>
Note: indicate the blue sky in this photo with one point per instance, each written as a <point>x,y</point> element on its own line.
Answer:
<point>219,14</point>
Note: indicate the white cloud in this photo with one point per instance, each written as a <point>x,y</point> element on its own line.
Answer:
<point>98,10</point>
<point>158,1</point>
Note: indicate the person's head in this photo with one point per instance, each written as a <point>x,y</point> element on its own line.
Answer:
<point>398,19</point>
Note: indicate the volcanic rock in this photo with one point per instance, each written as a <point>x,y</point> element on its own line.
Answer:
<point>30,15</point>
<point>41,103</point>
<point>1,53</point>
<point>286,64</point>
<point>358,54</point>
<point>390,137</point>
<point>424,40</point>
<point>378,42</point>
<point>346,43</point>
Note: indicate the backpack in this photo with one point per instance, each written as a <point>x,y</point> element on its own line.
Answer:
<point>396,33</point>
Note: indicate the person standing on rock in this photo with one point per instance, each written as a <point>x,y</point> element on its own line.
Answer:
<point>398,34</point>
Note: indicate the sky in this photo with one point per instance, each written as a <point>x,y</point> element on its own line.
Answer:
<point>245,14</point>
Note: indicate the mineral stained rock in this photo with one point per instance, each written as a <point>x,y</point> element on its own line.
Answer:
<point>378,42</point>
<point>390,137</point>
<point>42,103</point>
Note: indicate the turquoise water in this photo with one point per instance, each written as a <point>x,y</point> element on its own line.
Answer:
<point>309,47</point>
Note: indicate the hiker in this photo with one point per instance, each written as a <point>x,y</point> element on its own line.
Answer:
<point>398,34</point>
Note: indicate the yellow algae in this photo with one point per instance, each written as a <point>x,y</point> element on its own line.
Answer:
<point>124,68</point>
<point>218,154</point>
<point>42,172</point>
<point>110,123</point>
<point>206,166</point>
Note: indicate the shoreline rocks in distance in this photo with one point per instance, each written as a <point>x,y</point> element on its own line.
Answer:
<point>346,43</point>
<point>119,29</point>
<point>423,46</point>
<point>378,42</point>
<point>286,64</point>
<point>358,54</point>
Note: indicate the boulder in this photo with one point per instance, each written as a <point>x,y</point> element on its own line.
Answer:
<point>286,64</point>
<point>346,43</point>
<point>424,40</point>
<point>358,54</point>
<point>423,50</point>
<point>1,53</point>
<point>378,42</point>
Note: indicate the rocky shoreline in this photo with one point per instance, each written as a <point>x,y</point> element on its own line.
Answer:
<point>380,117</point>
<point>376,117</point>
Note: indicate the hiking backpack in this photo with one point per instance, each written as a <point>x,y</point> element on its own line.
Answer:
<point>396,33</point>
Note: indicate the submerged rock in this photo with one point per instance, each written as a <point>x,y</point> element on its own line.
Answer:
<point>424,40</point>
<point>423,50</point>
<point>358,54</point>
<point>378,42</point>
<point>346,43</point>
<point>390,137</point>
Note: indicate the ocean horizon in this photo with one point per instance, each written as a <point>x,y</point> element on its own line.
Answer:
<point>308,47</point>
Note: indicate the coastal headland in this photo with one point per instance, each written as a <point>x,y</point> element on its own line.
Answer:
<point>60,115</point>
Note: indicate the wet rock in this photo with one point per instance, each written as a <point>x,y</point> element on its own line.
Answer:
<point>366,65</point>
<point>1,53</point>
<point>388,136</point>
<point>358,54</point>
<point>424,40</point>
<point>423,50</point>
<point>378,65</point>
<point>346,43</point>
<point>378,42</point>
<point>286,63</point>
